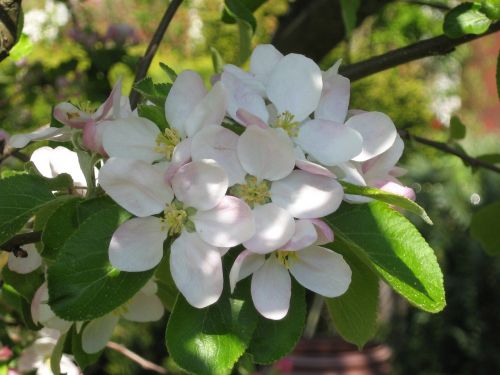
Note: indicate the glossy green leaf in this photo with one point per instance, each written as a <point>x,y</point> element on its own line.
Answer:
<point>484,228</point>
<point>349,10</point>
<point>466,18</point>
<point>491,8</point>
<point>153,113</point>
<point>246,34</point>
<point>274,339</point>
<point>24,284</point>
<point>383,196</point>
<point>354,314</point>
<point>82,283</point>
<point>457,128</point>
<point>388,243</point>
<point>238,10</point>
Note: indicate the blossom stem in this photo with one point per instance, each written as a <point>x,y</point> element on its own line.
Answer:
<point>145,62</point>
<point>19,240</point>
<point>144,363</point>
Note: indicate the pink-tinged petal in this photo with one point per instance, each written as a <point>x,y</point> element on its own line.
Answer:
<point>328,142</point>
<point>397,171</point>
<point>186,92</point>
<point>307,196</point>
<point>180,156</point>
<point>98,332</point>
<point>271,289</point>
<point>322,271</point>
<point>246,78</point>
<point>137,244</point>
<point>378,133</point>
<point>334,100</point>
<point>68,114</point>
<point>92,137</point>
<point>244,265</point>
<point>245,118</point>
<point>144,308</point>
<point>395,187</point>
<point>295,86</point>
<point>305,235</point>
<point>242,96</point>
<point>131,138</point>
<point>200,184</point>
<point>228,224</point>
<point>263,60</point>
<point>273,228</point>
<point>196,268</point>
<point>27,264</point>
<point>266,153</point>
<point>209,111</point>
<point>381,165</point>
<point>323,231</point>
<point>218,143</point>
<point>135,185</point>
<point>349,171</point>
<point>314,168</point>
<point>111,106</point>
<point>43,134</point>
<point>331,73</point>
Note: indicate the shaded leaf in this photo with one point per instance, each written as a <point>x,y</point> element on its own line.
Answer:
<point>484,228</point>
<point>457,128</point>
<point>349,9</point>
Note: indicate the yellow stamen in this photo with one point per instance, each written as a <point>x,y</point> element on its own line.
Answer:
<point>285,122</point>
<point>285,257</point>
<point>253,192</point>
<point>174,218</point>
<point>166,142</point>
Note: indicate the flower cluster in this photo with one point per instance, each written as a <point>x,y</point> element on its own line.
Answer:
<point>252,163</point>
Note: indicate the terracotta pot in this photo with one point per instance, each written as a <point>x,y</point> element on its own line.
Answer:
<point>332,356</point>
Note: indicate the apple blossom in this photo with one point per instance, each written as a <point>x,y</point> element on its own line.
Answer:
<point>26,264</point>
<point>41,313</point>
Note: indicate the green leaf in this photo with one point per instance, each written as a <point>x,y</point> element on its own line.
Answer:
<point>484,228</point>
<point>217,60</point>
<point>153,113</point>
<point>246,34</point>
<point>354,313</point>
<point>46,211</point>
<point>155,92</point>
<point>22,48</point>
<point>210,341</point>
<point>466,18</point>
<point>273,339</point>
<point>20,196</point>
<point>251,5</point>
<point>82,283</point>
<point>169,71</point>
<point>383,196</point>
<point>457,128</point>
<point>238,10</point>
<point>388,243</point>
<point>24,284</point>
<point>491,8</point>
<point>490,158</point>
<point>55,357</point>
<point>349,10</point>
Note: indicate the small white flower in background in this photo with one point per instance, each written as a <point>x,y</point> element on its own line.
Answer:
<point>145,306</point>
<point>316,268</point>
<point>37,356</point>
<point>26,264</point>
<point>44,24</point>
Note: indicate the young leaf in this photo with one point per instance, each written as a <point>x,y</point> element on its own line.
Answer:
<point>273,339</point>
<point>245,40</point>
<point>238,10</point>
<point>484,228</point>
<point>217,60</point>
<point>155,92</point>
<point>22,48</point>
<point>251,5</point>
<point>24,284</point>
<point>153,113</point>
<point>380,195</point>
<point>349,10</point>
<point>457,128</point>
<point>354,314</point>
<point>388,243</point>
<point>82,283</point>
<point>466,18</point>
<point>169,71</point>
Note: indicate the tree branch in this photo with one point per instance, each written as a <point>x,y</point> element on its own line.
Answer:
<point>19,240</point>
<point>144,363</point>
<point>450,150</point>
<point>9,20</point>
<point>145,62</point>
<point>439,45</point>
<point>14,153</point>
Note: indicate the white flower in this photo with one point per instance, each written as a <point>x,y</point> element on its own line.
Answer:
<point>41,313</point>
<point>28,264</point>
<point>316,268</point>
<point>44,133</point>
<point>145,306</point>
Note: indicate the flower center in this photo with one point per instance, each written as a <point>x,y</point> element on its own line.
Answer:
<point>285,257</point>
<point>176,217</point>
<point>166,142</point>
<point>285,122</point>
<point>253,192</point>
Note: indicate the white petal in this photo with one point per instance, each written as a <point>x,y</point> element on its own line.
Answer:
<point>52,162</point>
<point>266,153</point>
<point>144,308</point>
<point>27,264</point>
<point>200,184</point>
<point>248,79</point>
<point>273,228</point>
<point>228,224</point>
<point>67,366</point>
<point>67,114</point>
<point>209,111</point>
<point>307,196</point>
<point>378,133</point>
<point>295,86</point>
<point>381,165</point>
<point>131,138</point>
<point>264,58</point>
<point>244,265</point>
<point>180,156</point>
<point>135,185</point>
<point>305,235</point>
<point>54,134</point>
<point>323,230</point>
<point>328,142</point>
<point>196,268</point>
<point>271,289</point>
<point>219,144</point>
<point>98,332</point>
<point>332,72</point>
<point>314,168</point>
<point>322,271</point>
<point>334,101</point>
<point>395,187</point>
<point>43,314</point>
<point>137,244</point>
<point>187,91</point>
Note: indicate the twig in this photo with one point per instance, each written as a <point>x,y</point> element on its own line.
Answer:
<point>144,363</point>
<point>474,162</point>
<point>16,154</point>
<point>19,240</point>
<point>145,62</point>
<point>439,45</point>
